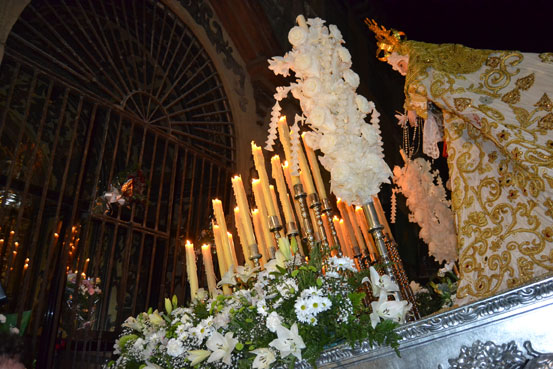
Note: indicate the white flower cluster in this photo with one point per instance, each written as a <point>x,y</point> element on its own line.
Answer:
<point>384,308</point>
<point>325,86</point>
<point>273,302</point>
<point>310,303</point>
<point>426,199</point>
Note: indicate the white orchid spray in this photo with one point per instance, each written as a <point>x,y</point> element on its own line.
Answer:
<point>430,209</point>
<point>325,87</point>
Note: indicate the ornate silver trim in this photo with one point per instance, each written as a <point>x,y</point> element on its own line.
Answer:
<point>508,303</point>
<point>489,356</point>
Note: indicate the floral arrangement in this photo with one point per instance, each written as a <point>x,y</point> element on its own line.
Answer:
<point>325,87</point>
<point>8,326</point>
<point>127,188</point>
<point>439,293</point>
<point>81,298</point>
<point>289,311</point>
<point>426,199</point>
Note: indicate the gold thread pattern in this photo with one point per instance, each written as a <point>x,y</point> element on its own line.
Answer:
<point>500,156</point>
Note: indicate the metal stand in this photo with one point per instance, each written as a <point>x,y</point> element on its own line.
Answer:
<point>300,195</point>
<point>255,256</point>
<point>327,209</point>
<point>379,240</point>
<point>315,204</point>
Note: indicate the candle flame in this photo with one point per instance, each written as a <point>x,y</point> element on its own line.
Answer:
<point>236,209</point>
<point>282,118</point>
<point>255,211</point>
<point>275,158</point>
<point>189,244</point>
<point>285,165</point>
<point>236,177</point>
<point>205,246</point>
<point>335,218</point>
<point>12,233</point>
<point>255,147</point>
<point>255,180</point>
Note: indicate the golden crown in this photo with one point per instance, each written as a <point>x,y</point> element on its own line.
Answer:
<point>386,40</point>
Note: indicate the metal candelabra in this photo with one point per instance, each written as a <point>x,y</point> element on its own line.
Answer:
<point>327,209</point>
<point>300,195</point>
<point>315,204</point>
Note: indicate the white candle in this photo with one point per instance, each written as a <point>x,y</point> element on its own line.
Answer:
<point>209,271</point>
<point>191,269</point>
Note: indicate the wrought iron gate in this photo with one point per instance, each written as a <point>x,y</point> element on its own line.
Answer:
<point>90,89</point>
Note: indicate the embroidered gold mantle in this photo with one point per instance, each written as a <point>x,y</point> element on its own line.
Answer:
<point>498,117</point>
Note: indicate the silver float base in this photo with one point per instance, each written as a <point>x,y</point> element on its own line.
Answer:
<point>520,315</point>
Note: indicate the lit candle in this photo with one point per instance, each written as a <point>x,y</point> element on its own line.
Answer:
<point>260,201</point>
<point>232,249</point>
<point>242,202</point>
<point>86,265</point>
<point>220,257</point>
<point>259,235</point>
<point>347,239</point>
<point>349,228</point>
<point>191,269</point>
<point>343,246</point>
<point>382,218</point>
<point>259,161</point>
<point>219,248</point>
<point>209,271</point>
<point>281,188</point>
<point>356,229</point>
<point>362,221</point>
<point>288,176</point>
<point>328,232</point>
<point>315,169</point>
<point>242,236</point>
<point>284,134</point>
<point>221,222</point>
<point>305,172</point>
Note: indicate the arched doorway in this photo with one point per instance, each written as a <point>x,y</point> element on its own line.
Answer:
<point>90,93</point>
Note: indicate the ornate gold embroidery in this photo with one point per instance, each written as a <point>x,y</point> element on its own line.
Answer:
<point>513,96</point>
<point>546,57</point>
<point>544,103</point>
<point>546,122</point>
<point>526,82</point>
<point>462,103</point>
<point>501,165</point>
<point>499,76</point>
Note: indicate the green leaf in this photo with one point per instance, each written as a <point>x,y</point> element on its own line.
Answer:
<point>239,346</point>
<point>319,282</point>
<point>175,301</point>
<point>295,273</point>
<point>126,339</point>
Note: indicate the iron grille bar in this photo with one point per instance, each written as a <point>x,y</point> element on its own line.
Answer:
<point>15,77</point>
<point>28,177</point>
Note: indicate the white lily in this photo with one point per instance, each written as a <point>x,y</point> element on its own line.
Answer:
<point>228,278</point>
<point>197,356</point>
<point>279,261</point>
<point>263,359</point>
<point>288,341</point>
<point>384,309</point>
<point>244,273</point>
<point>222,347</point>
<point>381,283</point>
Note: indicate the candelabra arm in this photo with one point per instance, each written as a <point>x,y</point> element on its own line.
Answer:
<point>300,195</point>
